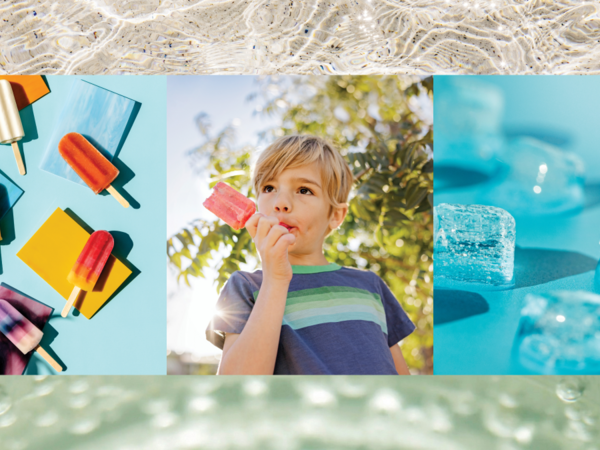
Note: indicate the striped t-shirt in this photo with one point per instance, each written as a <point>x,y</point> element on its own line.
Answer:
<point>337,320</point>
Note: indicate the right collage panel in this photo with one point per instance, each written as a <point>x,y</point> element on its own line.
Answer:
<point>516,225</point>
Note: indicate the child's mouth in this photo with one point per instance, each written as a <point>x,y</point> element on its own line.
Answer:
<point>289,228</point>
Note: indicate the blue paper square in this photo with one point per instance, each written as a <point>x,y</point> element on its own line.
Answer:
<point>9,194</point>
<point>101,116</point>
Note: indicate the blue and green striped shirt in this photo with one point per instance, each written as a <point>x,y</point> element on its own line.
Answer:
<point>337,320</point>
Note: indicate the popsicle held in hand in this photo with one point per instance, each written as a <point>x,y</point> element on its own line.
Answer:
<point>11,128</point>
<point>91,165</point>
<point>89,265</point>
<point>22,333</point>
<point>230,206</point>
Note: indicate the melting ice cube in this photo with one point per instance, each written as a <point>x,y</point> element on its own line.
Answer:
<point>537,179</point>
<point>468,119</point>
<point>559,333</point>
<point>473,245</point>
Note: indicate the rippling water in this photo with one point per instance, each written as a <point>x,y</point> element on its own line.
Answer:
<point>156,413</point>
<point>292,36</point>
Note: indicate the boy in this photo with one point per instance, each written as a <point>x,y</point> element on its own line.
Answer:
<point>300,314</point>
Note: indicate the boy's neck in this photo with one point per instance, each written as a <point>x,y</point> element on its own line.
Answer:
<point>308,260</point>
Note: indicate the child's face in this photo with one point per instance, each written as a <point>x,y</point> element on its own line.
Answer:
<point>297,199</point>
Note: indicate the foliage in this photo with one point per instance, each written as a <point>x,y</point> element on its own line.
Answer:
<point>376,122</point>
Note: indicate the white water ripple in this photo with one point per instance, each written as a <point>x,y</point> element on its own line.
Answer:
<point>292,36</point>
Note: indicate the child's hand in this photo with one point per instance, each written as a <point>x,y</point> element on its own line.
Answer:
<point>272,242</point>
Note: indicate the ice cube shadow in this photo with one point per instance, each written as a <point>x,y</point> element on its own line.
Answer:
<point>452,305</point>
<point>453,177</point>
<point>534,266</point>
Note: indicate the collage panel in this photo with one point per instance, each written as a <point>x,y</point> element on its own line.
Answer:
<point>517,214</point>
<point>82,206</point>
<point>358,263</point>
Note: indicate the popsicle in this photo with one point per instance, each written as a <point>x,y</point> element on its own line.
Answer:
<point>11,128</point>
<point>22,333</point>
<point>89,265</point>
<point>91,165</point>
<point>230,206</point>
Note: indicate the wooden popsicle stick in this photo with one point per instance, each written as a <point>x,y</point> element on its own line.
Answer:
<point>72,297</point>
<point>20,165</point>
<point>49,359</point>
<point>112,191</point>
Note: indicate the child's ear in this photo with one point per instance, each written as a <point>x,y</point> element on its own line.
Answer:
<point>338,216</point>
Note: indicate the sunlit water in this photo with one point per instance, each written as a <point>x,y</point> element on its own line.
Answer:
<point>292,36</point>
<point>131,413</point>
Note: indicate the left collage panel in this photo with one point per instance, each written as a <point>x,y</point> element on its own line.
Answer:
<point>82,207</point>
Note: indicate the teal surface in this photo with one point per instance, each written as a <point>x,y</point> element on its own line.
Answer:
<point>474,330</point>
<point>128,335</point>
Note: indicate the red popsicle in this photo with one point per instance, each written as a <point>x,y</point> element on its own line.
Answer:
<point>230,206</point>
<point>91,165</point>
<point>89,265</point>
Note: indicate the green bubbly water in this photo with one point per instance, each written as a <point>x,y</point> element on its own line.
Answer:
<point>296,413</point>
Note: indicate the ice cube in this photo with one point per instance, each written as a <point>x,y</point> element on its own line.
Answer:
<point>559,333</point>
<point>468,119</point>
<point>474,245</point>
<point>537,179</point>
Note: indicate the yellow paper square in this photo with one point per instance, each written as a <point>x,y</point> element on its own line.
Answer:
<point>51,253</point>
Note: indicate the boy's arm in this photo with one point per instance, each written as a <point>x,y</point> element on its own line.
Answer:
<point>254,350</point>
<point>399,362</point>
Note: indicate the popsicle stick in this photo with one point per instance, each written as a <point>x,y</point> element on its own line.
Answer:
<point>112,191</point>
<point>72,297</point>
<point>15,147</point>
<point>49,359</point>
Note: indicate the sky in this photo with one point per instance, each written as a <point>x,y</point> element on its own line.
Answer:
<point>223,98</point>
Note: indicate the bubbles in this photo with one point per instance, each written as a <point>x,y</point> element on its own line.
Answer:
<point>569,390</point>
<point>256,413</point>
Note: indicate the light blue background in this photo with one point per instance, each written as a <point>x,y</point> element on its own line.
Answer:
<point>565,110</point>
<point>128,335</point>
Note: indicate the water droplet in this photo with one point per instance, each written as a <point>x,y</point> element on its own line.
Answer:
<point>164,420</point>
<point>255,388</point>
<point>7,419</point>
<point>47,419</point>
<point>569,390</point>
<point>85,426</point>
<point>5,401</point>
<point>79,386</point>
<point>319,396</point>
<point>201,404</point>
<point>385,400</point>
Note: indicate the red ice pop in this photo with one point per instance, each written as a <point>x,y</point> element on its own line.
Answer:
<point>22,333</point>
<point>91,165</point>
<point>89,265</point>
<point>230,206</point>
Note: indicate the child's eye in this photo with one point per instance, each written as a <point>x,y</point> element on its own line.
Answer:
<point>304,190</point>
<point>267,188</point>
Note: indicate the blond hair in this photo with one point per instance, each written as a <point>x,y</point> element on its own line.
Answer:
<point>293,151</point>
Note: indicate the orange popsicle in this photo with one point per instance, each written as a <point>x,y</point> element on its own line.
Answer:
<point>91,165</point>
<point>89,265</point>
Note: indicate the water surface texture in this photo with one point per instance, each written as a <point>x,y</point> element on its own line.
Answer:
<point>291,36</point>
<point>157,413</point>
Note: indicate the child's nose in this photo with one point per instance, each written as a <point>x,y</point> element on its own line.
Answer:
<point>282,204</point>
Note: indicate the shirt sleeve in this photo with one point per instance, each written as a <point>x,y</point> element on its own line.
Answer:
<point>233,309</point>
<point>398,324</point>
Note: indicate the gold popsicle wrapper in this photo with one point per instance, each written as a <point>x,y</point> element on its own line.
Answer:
<point>11,128</point>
